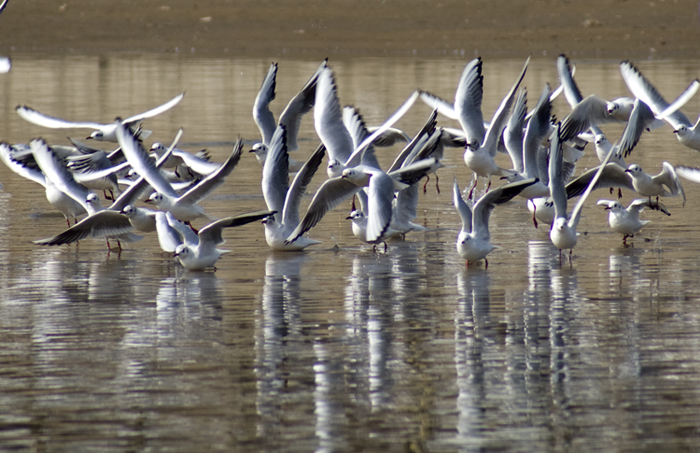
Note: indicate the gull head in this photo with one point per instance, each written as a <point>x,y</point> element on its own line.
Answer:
<point>356,176</point>
<point>634,170</point>
<point>156,198</point>
<point>356,216</point>
<point>612,107</point>
<point>93,202</point>
<point>335,168</point>
<point>615,207</point>
<point>97,135</point>
<point>473,145</point>
<point>600,140</point>
<point>158,148</point>
<point>260,150</point>
<point>681,130</point>
<point>129,210</point>
<point>182,251</point>
<point>559,223</point>
<point>269,219</point>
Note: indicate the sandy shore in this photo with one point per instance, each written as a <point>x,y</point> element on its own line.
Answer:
<point>592,29</point>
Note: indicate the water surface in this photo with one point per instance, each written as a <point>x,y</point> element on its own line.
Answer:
<point>340,348</point>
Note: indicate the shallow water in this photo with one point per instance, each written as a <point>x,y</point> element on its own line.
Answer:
<point>339,348</point>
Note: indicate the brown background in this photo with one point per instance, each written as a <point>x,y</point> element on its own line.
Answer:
<point>593,29</point>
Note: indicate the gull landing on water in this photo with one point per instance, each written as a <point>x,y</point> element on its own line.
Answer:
<point>473,242</point>
<point>103,132</point>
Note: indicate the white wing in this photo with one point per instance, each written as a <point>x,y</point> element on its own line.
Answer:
<point>261,109</point>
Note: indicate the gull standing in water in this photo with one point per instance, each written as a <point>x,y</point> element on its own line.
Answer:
<point>473,242</point>
<point>563,231</point>
<point>103,132</point>
<point>626,221</point>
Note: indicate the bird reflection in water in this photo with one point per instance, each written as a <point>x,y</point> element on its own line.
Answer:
<point>278,339</point>
<point>471,322</point>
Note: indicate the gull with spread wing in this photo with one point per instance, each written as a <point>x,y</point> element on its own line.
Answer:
<point>474,240</point>
<point>102,132</point>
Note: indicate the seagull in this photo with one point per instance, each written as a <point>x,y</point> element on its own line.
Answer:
<point>197,164</point>
<point>626,221</point>
<point>64,190</point>
<point>686,133</point>
<point>426,154</point>
<point>473,242</point>
<point>381,187</point>
<point>103,132</point>
<point>563,231</point>
<point>197,251</point>
<point>118,220</point>
<point>587,115</point>
<point>664,184</point>
<point>482,144</point>
<point>282,197</point>
<point>69,207</point>
<point>291,117</point>
<point>183,207</point>
<point>343,152</point>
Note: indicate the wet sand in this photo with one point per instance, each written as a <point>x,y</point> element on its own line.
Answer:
<point>593,29</point>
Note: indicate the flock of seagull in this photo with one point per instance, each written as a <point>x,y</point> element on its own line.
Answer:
<point>543,153</point>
